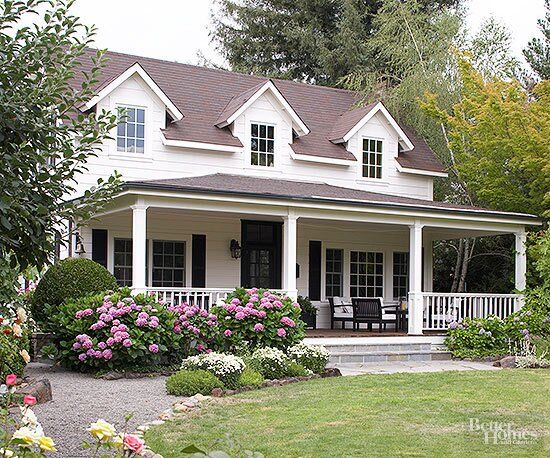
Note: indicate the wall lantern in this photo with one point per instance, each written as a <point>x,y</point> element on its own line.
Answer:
<point>79,248</point>
<point>235,249</point>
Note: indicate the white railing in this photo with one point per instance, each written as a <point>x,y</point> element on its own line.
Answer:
<point>202,297</point>
<point>442,308</point>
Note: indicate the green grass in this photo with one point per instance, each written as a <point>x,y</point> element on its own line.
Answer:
<point>373,415</point>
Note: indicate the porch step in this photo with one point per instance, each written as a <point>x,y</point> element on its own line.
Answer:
<point>351,352</point>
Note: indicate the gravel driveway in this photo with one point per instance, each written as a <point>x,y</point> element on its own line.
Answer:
<point>79,399</point>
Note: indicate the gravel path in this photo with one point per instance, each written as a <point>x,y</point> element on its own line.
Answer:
<point>80,399</point>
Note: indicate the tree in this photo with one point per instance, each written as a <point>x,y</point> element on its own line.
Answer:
<point>44,140</point>
<point>317,41</point>
<point>499,137</point>
<point>537,52</point>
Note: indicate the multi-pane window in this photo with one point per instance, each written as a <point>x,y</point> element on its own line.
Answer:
<point>334,272</point>
<point>168,263</point>
<point>262,144</point>
<point>366,274</point>
<point>400,275</point>
<point>372,158</point>
<point>131,130</point>
<point>123,262</point>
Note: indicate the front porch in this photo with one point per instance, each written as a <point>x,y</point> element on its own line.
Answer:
<point>182,250</point>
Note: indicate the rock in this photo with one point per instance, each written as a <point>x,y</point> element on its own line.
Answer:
<point>113,375</point>
<point>156,423</point>
<point>292,379</point>
<point>179,407</point>
<point>143,428</point>
<point>166,415</point>
<point>190,403</point>
<point>40,389</point>
<point>201,397</point>
<point>508,362</point>
<point>217,392</point>
<point>230,392</point>
<point>147,453</point>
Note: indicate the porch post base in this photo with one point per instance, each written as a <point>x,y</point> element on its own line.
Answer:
<point>416,314</point>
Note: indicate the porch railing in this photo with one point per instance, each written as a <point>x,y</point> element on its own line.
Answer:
<point>442,308</point>
<point>202,297</point>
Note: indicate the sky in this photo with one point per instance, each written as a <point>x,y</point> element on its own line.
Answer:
<point>177,29</point>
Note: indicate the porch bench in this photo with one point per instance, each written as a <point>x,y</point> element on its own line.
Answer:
<point>340,312</point>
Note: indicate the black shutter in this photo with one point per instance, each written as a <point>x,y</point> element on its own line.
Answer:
<point>99,246</point>
<point>315,270</point>
<point>198,261</point>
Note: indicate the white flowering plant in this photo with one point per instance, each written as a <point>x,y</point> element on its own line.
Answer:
<point>272,363</point>
<point>228,368</point>
<point>312,357</point>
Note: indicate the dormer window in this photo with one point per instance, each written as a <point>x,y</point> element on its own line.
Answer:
<point>131,130</point>
<point>372,158</point>
<point>262,145</point>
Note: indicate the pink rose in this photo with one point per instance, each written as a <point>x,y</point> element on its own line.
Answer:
<point>133,443</point>
<point>11,379</point>
<point>29,400</point>
<point>281,332</point>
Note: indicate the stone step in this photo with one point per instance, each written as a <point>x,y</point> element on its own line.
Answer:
<point>378,347</point>
<point>346,358</point>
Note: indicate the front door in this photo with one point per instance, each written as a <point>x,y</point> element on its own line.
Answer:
<point>261,254</point>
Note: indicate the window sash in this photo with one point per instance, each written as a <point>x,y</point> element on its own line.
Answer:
<point>366,274</point>
<point>168,269</point>
<point>131,130</point>
<point>122,263</point>
<point>400,274</point>
<point>334,272</point>
<point>372,158</point>
<point>262,145</point>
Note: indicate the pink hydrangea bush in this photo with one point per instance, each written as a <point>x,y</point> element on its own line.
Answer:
<point>258,318</point>
<point>198,327</point>
<point>119,331</point>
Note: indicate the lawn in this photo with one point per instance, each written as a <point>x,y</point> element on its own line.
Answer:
<point>374,415</point>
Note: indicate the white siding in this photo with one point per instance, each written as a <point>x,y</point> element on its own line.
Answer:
<point>160,161</point>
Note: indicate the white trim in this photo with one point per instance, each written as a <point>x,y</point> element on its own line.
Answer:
<point>379,107</point>
<point>129,72</point>
<point>320,159</point>
<point>200,145</point>
<point>402,169</point>
<point>303,129</point>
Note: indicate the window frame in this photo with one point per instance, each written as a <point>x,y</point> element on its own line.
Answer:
<point>259,139</point>
<point>135,138</point>
<point>400,276</point>
<point>377,167</point>
<point>127,268</point>
<point>334,272</point>
<point>377,288</point>
<point>163,268</point>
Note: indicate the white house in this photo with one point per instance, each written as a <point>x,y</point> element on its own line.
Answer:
<point>233,179</point>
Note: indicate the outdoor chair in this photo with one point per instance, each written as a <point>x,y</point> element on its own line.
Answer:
<point>367,310</point>
<point>339,312</point>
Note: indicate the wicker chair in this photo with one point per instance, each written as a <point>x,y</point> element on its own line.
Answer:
<point>367,310</point>
<point>337,313</point>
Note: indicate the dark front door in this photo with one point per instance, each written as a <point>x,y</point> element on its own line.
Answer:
<point>261,254</point>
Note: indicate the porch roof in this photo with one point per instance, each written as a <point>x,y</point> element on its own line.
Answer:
<point>271,188</point>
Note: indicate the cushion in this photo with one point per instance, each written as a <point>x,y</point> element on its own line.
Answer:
<point>342,312</point>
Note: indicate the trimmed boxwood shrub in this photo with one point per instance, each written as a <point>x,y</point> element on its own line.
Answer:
<point>70,278</point>
<point>191,382</point>
<point>250,377</point>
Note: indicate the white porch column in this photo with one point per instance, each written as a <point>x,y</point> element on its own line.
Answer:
<point>428,266</point>
<point>521,264</point>
<point>139,237</point>
<point>416,312</point>
<point>289,255</point>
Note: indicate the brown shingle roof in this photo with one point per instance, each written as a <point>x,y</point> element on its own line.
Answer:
<point>290,189</point>
<point>206,95</point>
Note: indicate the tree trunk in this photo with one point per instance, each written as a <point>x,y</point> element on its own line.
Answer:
<point>458,264</point>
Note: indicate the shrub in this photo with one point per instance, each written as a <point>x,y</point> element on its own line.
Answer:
<point>312,357</point>
<point>197,326</point>
<point>70,278</point>
<point>228,368</point>
<point>14,340</point>
<point>251,377</point>
<point>259,318</point>
<point>297,370</point>
<point>11,361</point>
<point>117,331</point>
<point>191,382</point>
<point>272,363</point>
